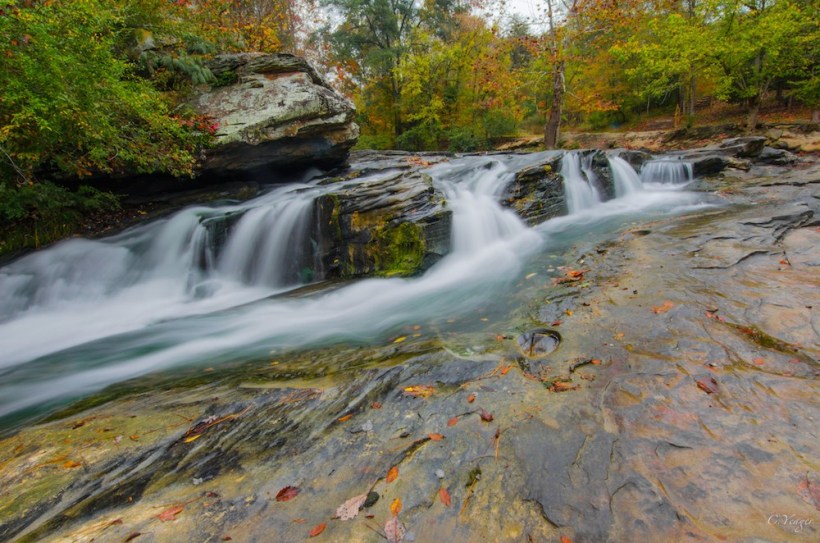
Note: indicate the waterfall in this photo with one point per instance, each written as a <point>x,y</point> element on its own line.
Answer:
<point>580,194</point>
<point>478,219</point>
<point>668,172</point>
<point>625,178</point>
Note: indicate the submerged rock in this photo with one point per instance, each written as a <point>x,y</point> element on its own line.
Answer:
<point>274,111</point>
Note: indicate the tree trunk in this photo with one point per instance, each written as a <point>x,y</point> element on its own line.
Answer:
<point>553,126</point>
<point>815,115</point>
<point>751,116</point>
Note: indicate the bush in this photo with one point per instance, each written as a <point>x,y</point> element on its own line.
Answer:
<point>463,140</point>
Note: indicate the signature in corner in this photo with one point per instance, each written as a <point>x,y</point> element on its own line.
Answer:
<point>790,522</point>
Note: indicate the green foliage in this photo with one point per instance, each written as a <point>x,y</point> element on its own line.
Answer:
<point>71,101</point>
<point>33,214</point>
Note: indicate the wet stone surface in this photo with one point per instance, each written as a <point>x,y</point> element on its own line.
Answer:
<point>611,436</point>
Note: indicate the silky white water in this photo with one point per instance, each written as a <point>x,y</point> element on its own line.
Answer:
<point>85,314</point>
<point>666,172</point>
<point>580,194</point>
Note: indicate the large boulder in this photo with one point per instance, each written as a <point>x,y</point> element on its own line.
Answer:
<point>396,224</point>
<point>273,111</point>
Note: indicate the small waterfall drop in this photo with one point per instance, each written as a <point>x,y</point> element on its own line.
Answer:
<point>625,178</point>
<point>580,194</point>
<point>667,172</point>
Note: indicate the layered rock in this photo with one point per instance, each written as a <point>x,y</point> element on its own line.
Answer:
<point>273,111</point>
<point>396,225</point>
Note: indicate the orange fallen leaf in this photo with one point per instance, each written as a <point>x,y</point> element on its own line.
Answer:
<point>435,437</point>
<point>568,312</point>
<point>395,507</point>
<point>453,421</point>
<point>663,308</point>
<point>392,474</point>
<point>708,384</point>
<point>444,496</point>
<point>565,539</point>
<point>759,361</point>
<point>318,529</point>
<point>471,398</point>
<point>504,370</point>
<point>419,391</point>
<point>170,513</point>
<point>134,437</point>
<point>287,493</point>
<point>595,361</point>
<point>345,418</point>
<point>72,464</point>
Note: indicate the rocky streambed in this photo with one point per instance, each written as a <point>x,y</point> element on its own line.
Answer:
<point>643,377</point>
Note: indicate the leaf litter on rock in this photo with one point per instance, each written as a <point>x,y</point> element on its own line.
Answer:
<point>287,493</point>
<point>350,509</point>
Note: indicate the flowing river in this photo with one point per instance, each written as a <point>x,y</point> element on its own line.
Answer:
<point>85,314</point>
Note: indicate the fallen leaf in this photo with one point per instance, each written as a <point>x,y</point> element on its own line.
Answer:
<point>349,509</point>
<point>345,418</point>
<point>759,361</point>
<point>299,520</point>
<point>504,370</point>
<point>444,496</point>
<point>471,398</point>
<point>568,312</point>
<point>530,275</point>
<point>191,438</point>
<point>395,507</point>
<point>399,339</point>
<point>376,405</point>
<point>435,437</point>
<point>663,308</point>
<point>619,335</point>
<point>562,386</point>
<point>565,539</point>
<point>132,535</point>
<point>708,385</point>
<point>392,474</point>
<point>453,421</point>
<point>485,415</point>
<point>134,438</point>
<point>72,464</point>
<point>318,529</point>
<point>394,530</point>
<point>555,323</point>
<point>287,493</point>
<point>227,538</point>
<point>170,513</point>
<point>419,391</point>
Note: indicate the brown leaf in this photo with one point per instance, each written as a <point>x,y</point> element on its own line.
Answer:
<point>72,464</point>
<point>395,507</point>
<point>170,513</point>
<point>435,437</point>
<point>394,530</point>
<point>663,308</point>
<point>471,398</point>
<point>444,496</point>
<point>227,538</point>
<point>555,323</point>
<point>349,509</point>
<point>419,391</point>
<point>485,415</point>
<point>562,386</point>
<point>392,474</point>
<point>345,418</point>
<point>318,529</point>
<point>287,493</point>
<point>132,535</point>
<point>708,385</point>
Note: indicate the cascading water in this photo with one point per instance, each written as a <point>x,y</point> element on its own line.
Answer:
<point>667,172</point>
<point>624,177</point>
<point>580,194</point>
<point>195,289</point>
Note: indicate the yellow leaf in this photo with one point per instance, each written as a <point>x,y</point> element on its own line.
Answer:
<point>399,339</point>
<point>395,507</point>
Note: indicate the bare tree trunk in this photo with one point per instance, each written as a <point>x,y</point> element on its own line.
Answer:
<point>553,127</point>
<point>815,115</point>
<point>751,116</point>
<point>553,122</point>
